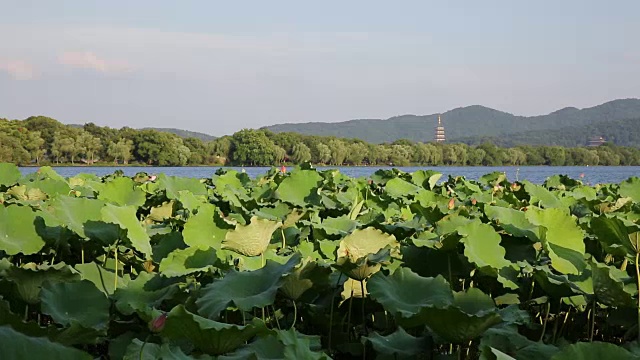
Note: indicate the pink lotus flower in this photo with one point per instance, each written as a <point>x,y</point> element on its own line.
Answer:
<point>156,325</point>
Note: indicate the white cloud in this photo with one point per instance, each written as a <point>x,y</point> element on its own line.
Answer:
<point>89,60</point>
<point>18,69</point>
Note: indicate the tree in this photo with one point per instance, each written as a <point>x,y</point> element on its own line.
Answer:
<point>324,153</point>
<point>89,146</point>
<point>300,153</point>
<point>120,150</point>
<point>357,152</point>
<point>338,151</point>
<point>252,147</point>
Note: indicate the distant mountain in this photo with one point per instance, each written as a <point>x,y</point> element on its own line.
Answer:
<point>619,132</point>
<point>466,122</point>
<point>185,133</point>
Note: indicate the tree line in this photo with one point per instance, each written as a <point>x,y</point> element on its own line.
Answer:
<point>44,141</point>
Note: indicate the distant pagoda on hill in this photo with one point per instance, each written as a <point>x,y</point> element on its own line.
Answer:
<point>596,141</point>
<point>439,131</point>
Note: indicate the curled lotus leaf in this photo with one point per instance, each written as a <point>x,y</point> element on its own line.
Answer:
<point>202,230</point>
<point>75,213</point>
<point>30,277</point>
<point>9,174</point>
<point>125,217</point>
<point>612,286</point>
<point>398,188</point>
<point>187,261</point>
<point>364,242</point>
<point>208,336</point>
<point>251,239</point>
<point>309,274</point>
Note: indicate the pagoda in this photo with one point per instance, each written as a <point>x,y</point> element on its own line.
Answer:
<point>439,131</point>
<point>596,141</point>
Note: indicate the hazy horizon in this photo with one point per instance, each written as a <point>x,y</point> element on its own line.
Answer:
<point>219,67</point>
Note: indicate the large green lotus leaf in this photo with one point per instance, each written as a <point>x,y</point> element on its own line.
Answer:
<point>542,197</point>
<point>337,226</point>
<point>9,174</point>
<point>612,286</point>
<point>482,245</point>
<point>15,345</point>
<point>202,231</point>
<point>309,274</point>
<point>139,296</point>
<point>252,239</point>
<point>613,234</point>
<point>245,290</point>
<point>190,201</point>
<point>471,314</point>
<point>593,351</point>
<point>511,342</point>
<point>29,278</point>
<point>31,328</point>
<point>451,223</point>
<point>76,302</point>
<point>122,191</point>
<point>513,221</point>
<point>187,261</point>
<point>231,179</point>
<point>209,336</point>
<point>425,178</point>
<point>126,218</point>
<point>299,188</point>
<point>406,294</point>
<point>630,188</point>
<point>104,279</point>
<point>557,285</point>
<point>489,353</point>
<point>173,185</point>
<point>561,238</point>
<point>18,231</point>
<point>399,344</point>
<point>74,212</point>
<point>399,188</point>
<point>363,242</point>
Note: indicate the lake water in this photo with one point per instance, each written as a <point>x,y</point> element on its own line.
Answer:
<point>535,174</point>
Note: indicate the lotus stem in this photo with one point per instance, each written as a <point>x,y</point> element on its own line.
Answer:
<point>284,240</point>
<point>349,316</point>
<point>546,319</point>
<point>143,345</point>
<point>295,314</point>
<point>331,312</point>
<point>82,252</point>
<point>566,316</point>
<point>593,320</point>
<point>638,279</point>
<point>275,316</point>
<point>115,279</point>
<point>364,316</point>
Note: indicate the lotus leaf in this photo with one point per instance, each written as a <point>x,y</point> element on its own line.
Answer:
<point>613,287</point>
<point>172,185</point>
<point>9,174</point>
<point>209,336</point>
<point>74,212</point>
<point>182,262</point>
<point>202,231</point>
<point>561,238</point>
<point>398,188</point>
<point>399,343</point>
<point>76,302</point>
<point>18,232</point>
<point>631,188</point>
<point>14,345</point>
<point>122,191</point>
<point>103,279</point>
<point>300,188</point>
<point>251,239</point>
<point>245,290</point>
<point>593,351</point>
<point>126,218</point>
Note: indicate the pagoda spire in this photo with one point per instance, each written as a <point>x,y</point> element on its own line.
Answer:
<point>439,135</point>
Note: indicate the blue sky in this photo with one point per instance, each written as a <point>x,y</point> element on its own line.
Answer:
<point>217,67</point>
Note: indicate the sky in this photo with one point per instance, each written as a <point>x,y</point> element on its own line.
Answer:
<point>221,66</point>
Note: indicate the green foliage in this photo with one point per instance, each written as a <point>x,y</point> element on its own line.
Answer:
<point>313,265</point>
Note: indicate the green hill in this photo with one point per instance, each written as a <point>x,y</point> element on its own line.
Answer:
<point>466,122</point>
<point>184,133</point>
<point>619,132</point>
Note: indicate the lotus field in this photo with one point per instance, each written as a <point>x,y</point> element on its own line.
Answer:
<point>317,265</point>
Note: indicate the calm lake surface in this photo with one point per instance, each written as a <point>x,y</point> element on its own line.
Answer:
<point>536,174</point>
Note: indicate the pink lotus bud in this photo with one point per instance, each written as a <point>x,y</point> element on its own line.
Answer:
<point>157,324</point>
